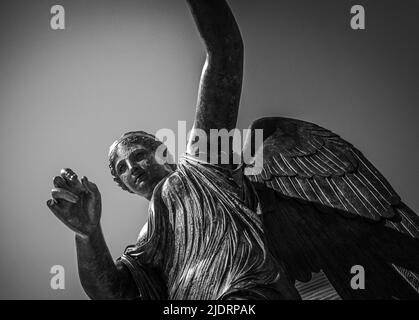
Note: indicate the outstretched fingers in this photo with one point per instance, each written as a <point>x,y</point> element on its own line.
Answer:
<point>64,194</point>
<point>60,193</point>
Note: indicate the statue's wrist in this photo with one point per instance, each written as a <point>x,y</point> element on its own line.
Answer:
<point>92,234</point>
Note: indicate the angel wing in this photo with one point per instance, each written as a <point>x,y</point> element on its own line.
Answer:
<point>326,207</point>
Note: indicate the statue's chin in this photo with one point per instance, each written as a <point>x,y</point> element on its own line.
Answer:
<point>142,189</point>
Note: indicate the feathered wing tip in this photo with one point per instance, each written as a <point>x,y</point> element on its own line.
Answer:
<point>409,225</point>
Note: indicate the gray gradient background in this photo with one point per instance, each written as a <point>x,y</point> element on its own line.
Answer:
<point>127,65</point>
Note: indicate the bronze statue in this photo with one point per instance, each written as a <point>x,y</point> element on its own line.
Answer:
<point>215,233</point>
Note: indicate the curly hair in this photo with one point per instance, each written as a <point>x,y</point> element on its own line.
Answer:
<point>131,138</point>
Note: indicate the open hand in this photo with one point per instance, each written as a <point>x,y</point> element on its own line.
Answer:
<point>77,203</point>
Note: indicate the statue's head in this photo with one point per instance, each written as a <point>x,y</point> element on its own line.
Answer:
<point>134,165</point>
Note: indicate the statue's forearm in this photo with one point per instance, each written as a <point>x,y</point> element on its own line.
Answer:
<point>222,75</point>
<point>98,273</point>
<point>216,24</point>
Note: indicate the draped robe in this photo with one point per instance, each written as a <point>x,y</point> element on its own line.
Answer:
<point>204,240</point>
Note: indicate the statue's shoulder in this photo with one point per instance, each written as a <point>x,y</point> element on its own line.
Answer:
<point>158,201</point>
<point>170,184</point>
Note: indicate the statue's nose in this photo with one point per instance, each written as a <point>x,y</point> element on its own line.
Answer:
<point>135,171</point>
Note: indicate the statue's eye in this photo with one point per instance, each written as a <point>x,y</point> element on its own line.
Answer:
<point>121,168</point>
<point>139,156</point>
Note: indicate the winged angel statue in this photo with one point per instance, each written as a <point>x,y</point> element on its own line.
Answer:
<point>318,206</point>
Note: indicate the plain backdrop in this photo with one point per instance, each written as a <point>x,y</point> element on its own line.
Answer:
<point>126,65</point>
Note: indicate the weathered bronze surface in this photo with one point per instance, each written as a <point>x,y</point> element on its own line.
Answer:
<point>215,233</point>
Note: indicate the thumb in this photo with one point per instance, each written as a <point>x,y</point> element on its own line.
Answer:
<point>94,206</point>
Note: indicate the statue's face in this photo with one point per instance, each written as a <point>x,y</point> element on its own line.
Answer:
<point>138,169</point>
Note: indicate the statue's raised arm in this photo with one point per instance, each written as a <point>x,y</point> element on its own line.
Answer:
<point>222,74</point>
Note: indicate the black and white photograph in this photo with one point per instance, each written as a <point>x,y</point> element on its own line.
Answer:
<point>216,150</point>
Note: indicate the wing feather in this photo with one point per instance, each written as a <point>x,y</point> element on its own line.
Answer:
<point>306,161</point>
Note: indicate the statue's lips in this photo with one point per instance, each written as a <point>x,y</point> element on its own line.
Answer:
<point>140,178</point>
